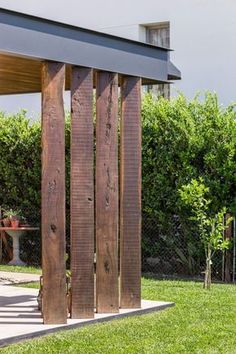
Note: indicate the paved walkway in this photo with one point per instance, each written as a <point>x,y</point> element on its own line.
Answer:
<point>16,278</point>
<point>20,318</point>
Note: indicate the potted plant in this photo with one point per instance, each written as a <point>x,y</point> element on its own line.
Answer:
<point>13,216</point>
<point>6,221</point>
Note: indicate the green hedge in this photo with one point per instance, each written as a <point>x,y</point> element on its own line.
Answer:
<point>20,166</point>
<point>182,140</point>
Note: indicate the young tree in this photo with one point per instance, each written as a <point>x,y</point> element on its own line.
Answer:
<point>211,227</point>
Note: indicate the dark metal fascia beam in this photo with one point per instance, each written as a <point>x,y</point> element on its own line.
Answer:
<point>173,72</point>
<point>40,39</point>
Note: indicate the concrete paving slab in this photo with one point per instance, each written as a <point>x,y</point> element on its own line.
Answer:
<point>21,320</point>
<point>17,278</point>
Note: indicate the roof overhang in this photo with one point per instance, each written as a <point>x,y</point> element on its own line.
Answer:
<point>173,72</point>
<point>26,41</point>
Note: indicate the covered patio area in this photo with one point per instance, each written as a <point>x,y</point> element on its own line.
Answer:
<point>38,55</point>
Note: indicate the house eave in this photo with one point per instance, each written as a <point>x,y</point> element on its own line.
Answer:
<point>42,39</point>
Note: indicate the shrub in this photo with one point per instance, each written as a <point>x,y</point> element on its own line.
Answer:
<point>182,140</point>
<point>211,226</point>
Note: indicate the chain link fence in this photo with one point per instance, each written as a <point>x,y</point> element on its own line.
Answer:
<point>177,252</point>
<point>170,252</point>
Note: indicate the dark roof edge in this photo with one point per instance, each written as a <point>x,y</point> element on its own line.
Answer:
<point>173,72</point>
<point>66,25</point>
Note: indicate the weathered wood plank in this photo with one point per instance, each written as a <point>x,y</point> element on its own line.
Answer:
<point>228,235</point>
<point>53,194</point>
<point>130,194</point>
<point>107,295</point>
<point>82,193</point>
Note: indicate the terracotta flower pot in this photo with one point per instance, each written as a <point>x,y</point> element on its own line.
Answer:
<point>15,223</point>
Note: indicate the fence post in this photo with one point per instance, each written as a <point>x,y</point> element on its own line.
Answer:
<point>228,235</point>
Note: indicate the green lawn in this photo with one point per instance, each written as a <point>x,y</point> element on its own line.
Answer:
<point>201,322</point>
<point>19,269</point>
<point>34,285</point>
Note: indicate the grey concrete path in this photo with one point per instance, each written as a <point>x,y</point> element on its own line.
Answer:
<point>16,278</point>
<point>20,319</point>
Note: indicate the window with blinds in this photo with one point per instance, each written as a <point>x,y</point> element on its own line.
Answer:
<point>159,35</point>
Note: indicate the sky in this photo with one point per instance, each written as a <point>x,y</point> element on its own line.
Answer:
<point>203,36</point>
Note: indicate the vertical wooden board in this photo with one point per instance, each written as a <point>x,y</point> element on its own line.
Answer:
<point>130,194</point>
<point>228,235</point>
<point>53,194</point>
<point>82,194</point>
<point>107,294</point>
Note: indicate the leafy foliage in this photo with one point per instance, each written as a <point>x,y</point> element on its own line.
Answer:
<point>211,228</point>
<point>20,174</point>
<point>185,140</point>
<point>20,161</point>
<point>182,140</point>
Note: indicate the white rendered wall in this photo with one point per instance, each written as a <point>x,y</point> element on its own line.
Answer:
<point>203,35</point>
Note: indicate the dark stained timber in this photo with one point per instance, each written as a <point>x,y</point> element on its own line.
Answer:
<point>82,193</point>
<point>107,294</point>
<point>53,194</point>
<point>130,194</point>
<point>228,235</point>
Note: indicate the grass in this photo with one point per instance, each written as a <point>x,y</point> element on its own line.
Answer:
<point>201,322</point>
<point>34,285</point>
<point>20,269</point>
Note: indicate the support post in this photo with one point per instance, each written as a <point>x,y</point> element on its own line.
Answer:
<point>228,235</point>
<point>82,193</point>
<point>130,193</point>
<point>53,194</point>
<point>107,295</point>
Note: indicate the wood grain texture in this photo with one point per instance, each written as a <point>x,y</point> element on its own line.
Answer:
<point>53,194</point>
<point>228,235</point>
<point>107,295</point>
<point>23,75</point>
<point>130,194</point>
<point>82,193</point>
